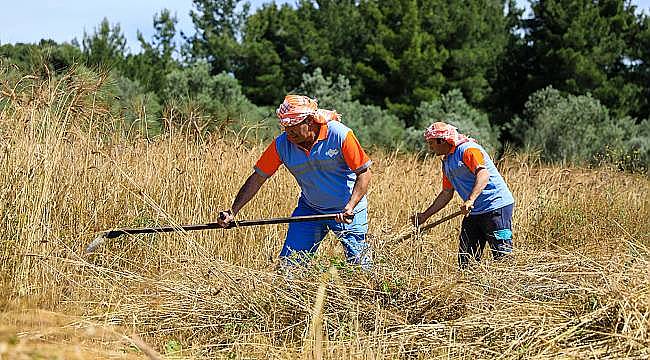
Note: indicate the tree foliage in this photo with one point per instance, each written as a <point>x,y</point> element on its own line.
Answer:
<point>371,124</point>
<point>151,66</point>
<point>389,66</point>
<point>583,46</point>
<point>218,26</point>
<point>105,46</point>
<point>34,58</point>
<point>419,49</point>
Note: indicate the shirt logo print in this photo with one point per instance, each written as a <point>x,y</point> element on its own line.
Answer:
<point>332,152</point>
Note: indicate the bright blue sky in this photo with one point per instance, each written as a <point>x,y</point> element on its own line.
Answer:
<point>31,20</point>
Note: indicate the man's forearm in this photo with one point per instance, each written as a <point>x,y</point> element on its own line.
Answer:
<point>360,188</point>
<point>443,198</point>
<point>247,192</point>
<point>482,178</point>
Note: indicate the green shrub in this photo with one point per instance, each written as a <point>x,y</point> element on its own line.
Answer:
<point>579,129</point>
<point>138,109</point>
<point>328,92</point>
<point>452,108</point>
<point>371,124</point>
<point>636,155</point>
<point>218,99</point>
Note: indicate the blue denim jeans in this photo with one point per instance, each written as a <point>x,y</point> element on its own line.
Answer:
<point>303,238</point>
<point>493,228</point>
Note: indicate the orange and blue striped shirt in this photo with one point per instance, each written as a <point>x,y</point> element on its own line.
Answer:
<point>326,174</point>
<point>459,169</point>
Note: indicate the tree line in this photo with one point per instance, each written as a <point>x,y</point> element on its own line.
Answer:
<point>573,69</point>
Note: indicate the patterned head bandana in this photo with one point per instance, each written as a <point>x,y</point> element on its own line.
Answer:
<point>449,133</point>
<point>295,109</point>
<point>323,116</point>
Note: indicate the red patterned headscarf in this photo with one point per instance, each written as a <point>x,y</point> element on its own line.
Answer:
<point>449,133</point>
<point>296,108</point>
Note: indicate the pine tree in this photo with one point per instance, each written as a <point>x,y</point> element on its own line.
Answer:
<point>106,46</point>
<point>584,46</point>
<point>218,25</point>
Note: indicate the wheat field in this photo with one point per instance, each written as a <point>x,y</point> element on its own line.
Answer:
<point>577,287</point>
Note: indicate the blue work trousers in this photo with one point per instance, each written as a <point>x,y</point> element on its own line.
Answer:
<point>303,238</point>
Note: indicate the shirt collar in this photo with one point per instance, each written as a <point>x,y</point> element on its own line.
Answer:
<point>322,135</point>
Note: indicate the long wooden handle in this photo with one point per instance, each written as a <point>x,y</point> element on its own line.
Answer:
<point>432,225</point>
<point>118,232</point>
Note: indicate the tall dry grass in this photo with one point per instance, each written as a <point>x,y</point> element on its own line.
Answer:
<point>578,285</point>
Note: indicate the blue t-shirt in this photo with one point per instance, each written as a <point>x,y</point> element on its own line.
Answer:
<point>324,176</point>
<point>496,193</point>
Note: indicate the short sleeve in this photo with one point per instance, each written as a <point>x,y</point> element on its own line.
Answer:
<point>473,159</point>
<point>446,184</point>
<point>269,162</point>
<point>353,154</point>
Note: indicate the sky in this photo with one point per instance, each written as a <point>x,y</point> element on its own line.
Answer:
<point>29,21</point>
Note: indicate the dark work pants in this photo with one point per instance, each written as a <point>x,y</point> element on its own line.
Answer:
<point>493,228</point>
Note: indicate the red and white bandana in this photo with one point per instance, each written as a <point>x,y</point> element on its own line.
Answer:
<point>449,133</point>
<point>323,116</point>
<point>295,108</point>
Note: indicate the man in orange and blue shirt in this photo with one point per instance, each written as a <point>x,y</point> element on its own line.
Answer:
<point>487,202</point>
<point>333,173</point>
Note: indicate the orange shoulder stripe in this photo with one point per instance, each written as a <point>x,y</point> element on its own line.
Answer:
<point>353,154</point>
<point>446,184</point>
<point>473,159</point>
<point>270,161</point>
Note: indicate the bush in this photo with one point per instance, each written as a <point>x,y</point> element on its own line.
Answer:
<point>216,100</point>
<point>579,129</point>
<point>636,155</point>
<point>328,92</point>
<point>371,124</point>
<point>138,109</point>
<point>452,109</point>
